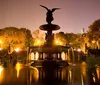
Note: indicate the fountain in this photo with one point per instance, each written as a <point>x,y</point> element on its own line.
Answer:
<point>48,52</point>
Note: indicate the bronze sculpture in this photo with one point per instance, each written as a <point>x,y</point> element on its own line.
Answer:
<point>49,14</point>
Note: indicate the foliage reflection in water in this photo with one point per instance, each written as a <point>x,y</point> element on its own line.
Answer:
<point>29,75</point>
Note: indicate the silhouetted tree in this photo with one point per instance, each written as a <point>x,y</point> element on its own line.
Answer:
<point>28,36</point>
<point>95,26</point>
<point>94,32</point>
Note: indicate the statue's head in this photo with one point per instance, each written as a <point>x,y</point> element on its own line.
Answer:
<point>49,10</point>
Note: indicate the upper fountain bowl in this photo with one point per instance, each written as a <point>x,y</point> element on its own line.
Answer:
<point>47,27</point>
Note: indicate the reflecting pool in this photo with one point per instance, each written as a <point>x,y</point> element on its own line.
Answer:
<point>20,74</point>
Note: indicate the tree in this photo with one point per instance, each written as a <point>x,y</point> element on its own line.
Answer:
<point>28,36</point>
<point>15,37</point>
<point>9,35</point>
<point>60,37</point>
<point>95,26</point>
<point>38,35</point>
<point>94,33</point>
<point>73,39</point>
<point>69,39</point>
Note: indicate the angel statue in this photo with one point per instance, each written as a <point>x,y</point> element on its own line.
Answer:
<point>49,14</point>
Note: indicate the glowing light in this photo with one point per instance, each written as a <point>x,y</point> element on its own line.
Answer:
<point>35,73</point>
<point>18,67</point>
<point>1,76</point>
<point>70,75</point>
<point>32,56</point>
<point>82,80</point>
<point>0,42</point>
<point>63,56</point>
<point>58,42</point>
<point>0,48</point>
<point>1,68</point>
<point>98,72</point>
<point>78,49</point>
<point>36,56</point>
<point>94,79</point>
<point>93,41</point>
<point>17,49</point>
<point>0,45</point>
<point>83,68</point>
<point>38,43</point>
<point>44,55</point>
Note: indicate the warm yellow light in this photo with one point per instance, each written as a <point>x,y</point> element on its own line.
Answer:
<point>32,56</point>
<point>78,49</point>
<point>63,56</point>
<point>1,68</point>
<point>0,45</point>
<point>93,41</point>
<point>0,41</point>
<point>1,76</point>
<point>18,67</point>
<point>0,48</point>
<point>34,74</point>
<point>58,42</point>
<point>38,42</point>
<point>70,75</point>
<point>83,68</point>
<point>94,79</point>
<point>37,55</point>
<point>17,49</point>
<point>98,72</point>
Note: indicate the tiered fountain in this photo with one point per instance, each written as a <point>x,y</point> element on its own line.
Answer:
<point>48,52</point>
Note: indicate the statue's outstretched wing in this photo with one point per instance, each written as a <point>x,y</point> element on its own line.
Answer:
<point>55,9</point>
<point>44,7</point>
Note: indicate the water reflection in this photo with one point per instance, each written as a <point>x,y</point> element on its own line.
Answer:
<point>34,74</point>
<point>48,75</point>
<point>18,67</point>
<point>70,75</point>
<point>98,72</point>
<point>1,68</point>
<point>83,73</point>
<point>1,77</point>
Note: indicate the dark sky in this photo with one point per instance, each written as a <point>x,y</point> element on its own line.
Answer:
<point>72,17</point>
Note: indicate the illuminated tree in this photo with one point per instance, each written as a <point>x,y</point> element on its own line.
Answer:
<point>60,38</point>
<point>39,37</point>
<point>94,32</point>
<point>28,36</point>
<point>15,37</point>
<point>73,39</point>
<point>69,39</point>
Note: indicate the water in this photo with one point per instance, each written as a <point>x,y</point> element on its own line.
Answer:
<point>20,74</point>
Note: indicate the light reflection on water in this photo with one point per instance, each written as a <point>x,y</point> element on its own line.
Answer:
<point>24,75</point>
<point>18,67</point>
<point>1,69</point>
<point>98,72</point>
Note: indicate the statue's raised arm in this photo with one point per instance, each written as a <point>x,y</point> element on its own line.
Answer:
<point>49,14</point>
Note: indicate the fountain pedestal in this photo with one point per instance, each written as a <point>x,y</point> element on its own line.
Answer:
<point>49,37</point>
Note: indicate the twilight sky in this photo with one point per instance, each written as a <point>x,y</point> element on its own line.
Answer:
<point>72,17</point>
